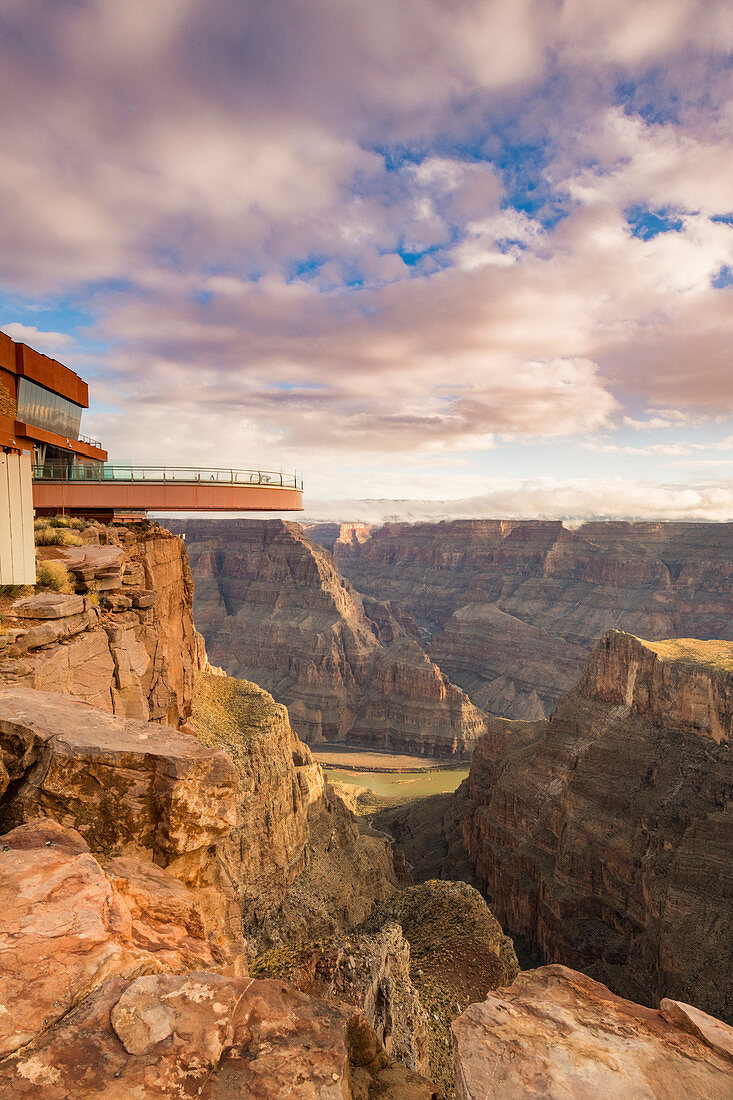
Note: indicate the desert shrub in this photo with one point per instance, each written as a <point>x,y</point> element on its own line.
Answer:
<point>58,521</point>
<point>78,523</point>
<point>71,539</point>
<point>53,575</point>
<point>49,536</point>
<point>13,591</point>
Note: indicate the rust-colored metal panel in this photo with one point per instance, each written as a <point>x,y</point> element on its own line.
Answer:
<point>80,497</point>
<point>7,353</point>
<point>51,374</point>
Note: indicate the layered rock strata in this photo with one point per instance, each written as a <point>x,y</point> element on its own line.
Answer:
<point>124,640</point>
<point>558,1033</point>
<point>368,971</point>
<point>510,609</point>
<point>274,609</point>
<point>130,789</point>
<point>604,835</point>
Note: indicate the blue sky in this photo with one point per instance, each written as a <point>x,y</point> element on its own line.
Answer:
<point>478,253</point>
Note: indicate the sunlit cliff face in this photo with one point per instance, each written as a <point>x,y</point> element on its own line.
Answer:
<point>465,250</point>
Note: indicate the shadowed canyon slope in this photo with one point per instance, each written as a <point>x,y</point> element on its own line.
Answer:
<point>511,609</point>
<point>275,610</point>
<point>604,835</point>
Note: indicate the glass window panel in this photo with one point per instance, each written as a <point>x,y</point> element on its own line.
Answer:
<point>44,409</point>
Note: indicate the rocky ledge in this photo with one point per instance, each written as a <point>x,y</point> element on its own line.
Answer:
<point>557,1033</point>
<point>122,964</point>
<point>123,639</point>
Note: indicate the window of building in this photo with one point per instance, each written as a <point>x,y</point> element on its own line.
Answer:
<point>44,409</point>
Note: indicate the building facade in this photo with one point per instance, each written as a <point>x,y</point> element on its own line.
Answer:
<point>41,405</point>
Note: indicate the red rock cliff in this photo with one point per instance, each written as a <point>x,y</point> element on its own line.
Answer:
<point>604,835</point>
<point>510,609</point>
<point>125,641</point>
<point>274,609</point>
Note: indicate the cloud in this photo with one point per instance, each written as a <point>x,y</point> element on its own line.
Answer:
<point>51,343</point>
<point>545,498</point>
<point>375,230</point>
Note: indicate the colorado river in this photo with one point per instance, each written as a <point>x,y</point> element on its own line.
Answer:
<point>401,784</point>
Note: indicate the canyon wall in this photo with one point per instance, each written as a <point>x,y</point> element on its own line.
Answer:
<point>124,639</point>
<point>604,835</point>
<point>274,609</point>
<point>509,610</point>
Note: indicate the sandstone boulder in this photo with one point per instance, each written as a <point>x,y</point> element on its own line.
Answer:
<point>163,1036</point>
<point>126,786</point>
<point>48,605</point>
<point>557,1033</point>
<point>68,926</point>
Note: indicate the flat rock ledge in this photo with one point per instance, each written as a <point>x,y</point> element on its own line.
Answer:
<point>557,1033</point>
<point>126,785</point>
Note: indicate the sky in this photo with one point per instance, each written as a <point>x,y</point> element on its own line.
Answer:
<point>443,258</point>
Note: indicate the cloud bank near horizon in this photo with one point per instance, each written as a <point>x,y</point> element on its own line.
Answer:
<point>344,235</point>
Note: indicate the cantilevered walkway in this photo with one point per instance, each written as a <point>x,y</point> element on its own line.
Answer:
<point>105,490</point>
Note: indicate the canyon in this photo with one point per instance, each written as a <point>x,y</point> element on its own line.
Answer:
<point>189,909</point>
<point>510,610</point>
<point>603,836</point>
<point>274,609</point>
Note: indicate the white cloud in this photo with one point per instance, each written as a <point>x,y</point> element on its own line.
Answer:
<point>51,343</point>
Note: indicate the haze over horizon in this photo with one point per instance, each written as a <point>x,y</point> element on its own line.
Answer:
<point>467,258</point>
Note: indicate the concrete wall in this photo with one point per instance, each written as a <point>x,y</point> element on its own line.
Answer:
<point>17,549</point>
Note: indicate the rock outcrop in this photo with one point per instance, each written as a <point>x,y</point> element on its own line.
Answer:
<point>368,971</point>
<point>604,835</point>
<point>70,923</point>
<point>301,865</point>
<point>130,789</point>
<point>207,1035</point>
<point>510,609</point>
<point>558,1033</point>
<point>124,640</point>
<point>122,964</point>
<point>274,609</point>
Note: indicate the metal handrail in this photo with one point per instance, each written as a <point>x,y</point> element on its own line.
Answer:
<point>89,441</point>
<point>105,472</point>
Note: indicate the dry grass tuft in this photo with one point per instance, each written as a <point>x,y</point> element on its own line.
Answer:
<point>53,575</point>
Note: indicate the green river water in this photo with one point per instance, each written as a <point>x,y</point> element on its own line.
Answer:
<point>401,784</point>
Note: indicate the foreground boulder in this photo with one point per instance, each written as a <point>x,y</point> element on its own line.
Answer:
<point>67,924</point>
<point>211,1036</point>
<point>123,784</point>
<point>557,1033</point>
<point>130,788</point>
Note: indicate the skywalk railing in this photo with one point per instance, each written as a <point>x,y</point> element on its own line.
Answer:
<point>91,442</point>
<point>107,472</point>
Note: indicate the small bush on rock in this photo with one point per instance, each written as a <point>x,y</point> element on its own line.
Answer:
<point>53,575</point>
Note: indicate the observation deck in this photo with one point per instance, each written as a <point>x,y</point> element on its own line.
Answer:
<point>106,491</point>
